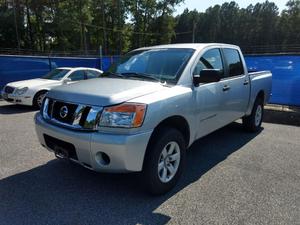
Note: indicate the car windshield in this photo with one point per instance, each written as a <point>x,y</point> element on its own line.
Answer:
<point>56,74</point>
<point>164,65</point>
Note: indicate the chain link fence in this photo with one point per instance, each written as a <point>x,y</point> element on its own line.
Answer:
<point>247,49</point>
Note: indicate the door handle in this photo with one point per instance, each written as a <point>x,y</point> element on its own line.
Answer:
<point>226,88</point>
<point>246,82</point>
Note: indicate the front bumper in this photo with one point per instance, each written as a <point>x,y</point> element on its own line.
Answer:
<point>126,152</point>
<point>17,99</point>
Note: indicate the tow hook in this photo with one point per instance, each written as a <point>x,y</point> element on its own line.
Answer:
<point>61,153</point>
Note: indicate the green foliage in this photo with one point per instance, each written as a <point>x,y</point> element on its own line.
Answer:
<point>290,22</point>
<point>120,25</point>
<point>257,25</point>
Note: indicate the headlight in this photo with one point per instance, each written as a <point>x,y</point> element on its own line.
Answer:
<point>129,115</point>
<point>21,91</point>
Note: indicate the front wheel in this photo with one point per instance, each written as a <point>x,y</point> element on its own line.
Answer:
<point>38,99</point>
<point>253,122</point>
<point>164,161</point>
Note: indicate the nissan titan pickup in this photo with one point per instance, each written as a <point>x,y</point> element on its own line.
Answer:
<point>148,108</point>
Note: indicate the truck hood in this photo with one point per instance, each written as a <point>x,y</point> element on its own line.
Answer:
<point>33,83</point>
<point>104,91</point>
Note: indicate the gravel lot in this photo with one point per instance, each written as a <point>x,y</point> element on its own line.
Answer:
<point>232,177</point>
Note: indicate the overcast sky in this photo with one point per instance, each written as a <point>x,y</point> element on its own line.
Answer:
<point>201,5</point>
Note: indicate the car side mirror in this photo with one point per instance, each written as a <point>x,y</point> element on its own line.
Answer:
<point>207,76</point>
<point>67,80</point>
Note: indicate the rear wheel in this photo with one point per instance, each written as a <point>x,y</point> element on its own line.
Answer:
<point>164,161</point>
<point>253,122</point>
<point>38,99</point>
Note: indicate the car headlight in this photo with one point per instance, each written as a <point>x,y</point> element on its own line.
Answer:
<point>21,91</point>
<point>127,115</point>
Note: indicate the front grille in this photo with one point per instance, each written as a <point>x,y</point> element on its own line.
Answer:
<point>71,115</point>
<point>9,89</point>
<point>65,118</point>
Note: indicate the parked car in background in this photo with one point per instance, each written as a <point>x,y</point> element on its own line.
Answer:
<point>32,92</point>
<point>150,107</point>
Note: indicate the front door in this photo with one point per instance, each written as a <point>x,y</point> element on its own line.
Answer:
<point>208,96</point>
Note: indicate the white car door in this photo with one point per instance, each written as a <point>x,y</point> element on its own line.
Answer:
<point>77,75</point>
<point>91,74</point>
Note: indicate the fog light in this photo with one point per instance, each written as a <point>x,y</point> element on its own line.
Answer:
<point>102,158</point>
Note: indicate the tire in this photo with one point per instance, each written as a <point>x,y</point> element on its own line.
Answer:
<point>163,166</point>
<point>252,123</point>
<point>38,99</point>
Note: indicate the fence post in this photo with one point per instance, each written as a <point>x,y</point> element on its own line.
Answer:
<point>100,52</point>
<point>49,60</point>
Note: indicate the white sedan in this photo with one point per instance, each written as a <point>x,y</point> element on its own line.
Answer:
<point>32,92</point>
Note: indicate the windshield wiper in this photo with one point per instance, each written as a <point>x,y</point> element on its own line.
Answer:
<point>142,75</point>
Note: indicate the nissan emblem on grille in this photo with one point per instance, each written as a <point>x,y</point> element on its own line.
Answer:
<point>71,115</point>
<point>63,112</point>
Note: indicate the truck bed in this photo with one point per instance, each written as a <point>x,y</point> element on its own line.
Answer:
<point>259,81</point>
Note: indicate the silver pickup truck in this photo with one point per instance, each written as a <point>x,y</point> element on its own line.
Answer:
<point>147,109</point>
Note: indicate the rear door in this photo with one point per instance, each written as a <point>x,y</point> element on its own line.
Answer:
<point>91,74</point>
<point>77,75</point>
<point>235,86</point>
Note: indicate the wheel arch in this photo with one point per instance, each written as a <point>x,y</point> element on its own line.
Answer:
<point>261,95</point>
<point>178,122</point>
<point>37,93</point>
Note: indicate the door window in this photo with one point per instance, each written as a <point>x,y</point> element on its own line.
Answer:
<point>211,59</point>
<point>234,62</point>
<point>90,74</point>
<point>77,75</point>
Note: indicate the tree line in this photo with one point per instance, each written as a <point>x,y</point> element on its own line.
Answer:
<point>118,26</point>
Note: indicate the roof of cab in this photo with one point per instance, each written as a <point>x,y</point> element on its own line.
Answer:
<point>189,45</point>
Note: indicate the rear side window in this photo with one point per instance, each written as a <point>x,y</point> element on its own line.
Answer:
<point>77,75</point>
<point>234,62</point>
<point>210,60</point>
<point>90,74</point>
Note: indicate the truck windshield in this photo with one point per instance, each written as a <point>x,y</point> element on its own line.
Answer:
<point>56,74</point>
<point>164,65</point>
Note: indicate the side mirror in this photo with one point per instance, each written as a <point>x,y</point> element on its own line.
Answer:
<point>67,80</point>
<point>207,76</point>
